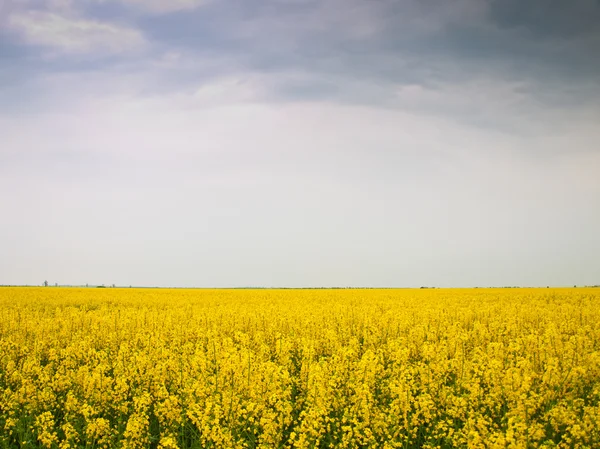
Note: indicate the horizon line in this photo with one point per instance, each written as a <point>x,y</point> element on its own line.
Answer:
<point>291,288</point>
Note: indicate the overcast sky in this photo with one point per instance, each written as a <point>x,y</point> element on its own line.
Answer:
<point>300,142</point>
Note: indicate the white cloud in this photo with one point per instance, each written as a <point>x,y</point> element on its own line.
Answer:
<point>165,6</point>
<point>484,98</point>
<point>73,35</point>
<point>227,91</point>
<point>309,193</point>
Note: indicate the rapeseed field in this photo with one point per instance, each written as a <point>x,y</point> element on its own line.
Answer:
<point>143,368</point>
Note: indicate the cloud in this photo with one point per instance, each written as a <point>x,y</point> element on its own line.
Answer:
<point>310,141</point>
<point>162,6</point>
<point>466,62</point>
<point>336,46</point>
<point>228,91</point>
<point>348,50</point>
<point>68,34</point>
<point>296,193</point>
<point>548,18</point>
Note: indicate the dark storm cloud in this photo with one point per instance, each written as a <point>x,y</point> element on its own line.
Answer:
<point>352,51</point>
<point>548,18</point>
<point>384,43</point>
<point>562,38</point>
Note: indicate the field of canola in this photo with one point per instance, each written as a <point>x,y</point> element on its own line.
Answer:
<point>142,368</point>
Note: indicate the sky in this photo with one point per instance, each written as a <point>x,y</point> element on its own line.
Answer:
<point>300,143</point>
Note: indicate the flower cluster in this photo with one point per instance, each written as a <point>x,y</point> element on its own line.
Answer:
<point>138,368</point>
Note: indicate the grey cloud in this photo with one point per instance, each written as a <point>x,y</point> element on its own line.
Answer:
<point>384,44</point>
<point>364,52</point>
<point>73,34</point>
<point>377,45</point>
<point>549,18</point>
